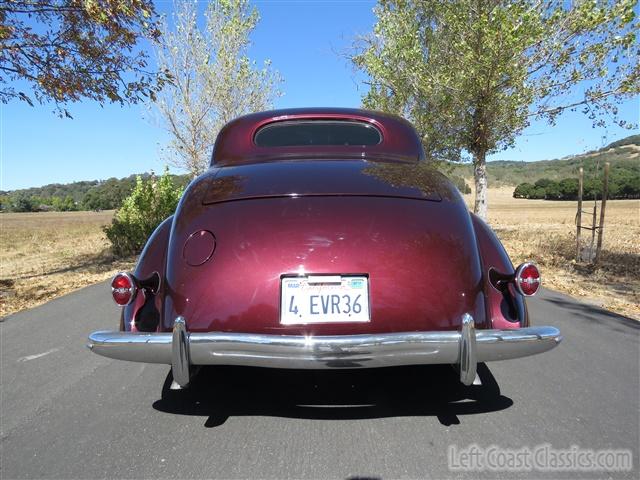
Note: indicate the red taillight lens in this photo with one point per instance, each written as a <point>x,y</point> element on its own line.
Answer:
<point>123,289</point>
<point>527,279</point>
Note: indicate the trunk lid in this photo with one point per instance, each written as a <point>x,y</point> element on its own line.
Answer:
<point>326,178</point>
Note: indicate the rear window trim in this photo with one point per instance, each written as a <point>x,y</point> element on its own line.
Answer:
<point>365,123</point>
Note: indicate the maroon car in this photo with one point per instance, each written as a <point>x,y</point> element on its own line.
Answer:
<point>322,238</point>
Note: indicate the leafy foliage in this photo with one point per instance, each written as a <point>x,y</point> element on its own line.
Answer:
<point>150,202</point>
<point>70,50</point>
<point>472,74</point>
<point>214,80</point>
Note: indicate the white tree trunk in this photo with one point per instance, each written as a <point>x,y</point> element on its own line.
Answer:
<point>480,177</point>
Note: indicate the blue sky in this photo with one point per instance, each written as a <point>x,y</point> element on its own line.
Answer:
<point>304,40</point>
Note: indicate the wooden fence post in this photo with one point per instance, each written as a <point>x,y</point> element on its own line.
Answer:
<point>605,193</point>
<point>593,229</point>
<point>579,214</point>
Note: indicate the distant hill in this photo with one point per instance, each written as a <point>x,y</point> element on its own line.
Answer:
<point>623,154</point>
<point>86,195</point>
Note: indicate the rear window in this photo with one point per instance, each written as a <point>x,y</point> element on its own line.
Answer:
<point>317,132</point>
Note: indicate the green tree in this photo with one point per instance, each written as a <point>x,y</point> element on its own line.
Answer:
<point>631,188</point>
<point>524,190</point>
<point>22,203</point>
<point>569,188</point>
<point>64,204</point>
<point>592,188</point>
<point>543,182</point>
<point>214,80</point>
<point>5,202</point>
<point>109,194</point>
<point>472,74</point>
<point>150,202</point>
<point>539,193</point>
<point>70,50</point>
<point>92,200</point>
<point>552,191</point>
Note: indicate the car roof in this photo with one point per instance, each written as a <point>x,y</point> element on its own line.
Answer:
<point>235,144</point>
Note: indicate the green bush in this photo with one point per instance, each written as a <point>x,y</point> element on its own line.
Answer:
<point>150,202</point>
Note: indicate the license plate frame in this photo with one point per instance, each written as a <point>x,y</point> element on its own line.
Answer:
<point>301,309</point>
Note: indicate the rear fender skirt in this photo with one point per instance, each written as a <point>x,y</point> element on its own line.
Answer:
<point>152,260</point>
<point>506,309</point>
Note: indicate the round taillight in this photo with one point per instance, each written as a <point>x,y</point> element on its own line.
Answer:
<point>527,279</point>
<point>123,289</point>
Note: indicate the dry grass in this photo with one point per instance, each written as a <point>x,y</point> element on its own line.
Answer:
<point>45,255</point>
<point>544,231</point>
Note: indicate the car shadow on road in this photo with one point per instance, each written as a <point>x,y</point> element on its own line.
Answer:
<point>433,390</point>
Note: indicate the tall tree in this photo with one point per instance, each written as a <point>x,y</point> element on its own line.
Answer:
<point>214,79</point>
<point>472,74</point>
<point>69,50</point>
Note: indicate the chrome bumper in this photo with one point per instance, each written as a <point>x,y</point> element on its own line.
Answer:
<point>465,348</point>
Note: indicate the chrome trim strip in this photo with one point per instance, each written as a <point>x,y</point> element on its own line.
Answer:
<point>339,351</point>
<point>180,353</point>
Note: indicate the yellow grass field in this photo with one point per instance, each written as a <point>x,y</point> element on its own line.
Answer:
<point>45,255</point>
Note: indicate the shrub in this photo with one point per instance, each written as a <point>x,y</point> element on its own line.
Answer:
<point>150,202</point>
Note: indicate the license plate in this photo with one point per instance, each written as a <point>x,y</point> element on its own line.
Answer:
<point>324,299</point>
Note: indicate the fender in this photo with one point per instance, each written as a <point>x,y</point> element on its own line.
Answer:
<point>505,309</point>
<point>152,260</point>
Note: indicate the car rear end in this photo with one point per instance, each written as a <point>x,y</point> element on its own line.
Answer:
<point>323,240</point>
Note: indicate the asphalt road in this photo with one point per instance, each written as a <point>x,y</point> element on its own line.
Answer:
<point>67,413</point>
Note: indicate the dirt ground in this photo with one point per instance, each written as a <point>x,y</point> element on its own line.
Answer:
<point>45,255</point>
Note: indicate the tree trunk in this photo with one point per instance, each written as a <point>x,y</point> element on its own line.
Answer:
<point>480,177</point>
